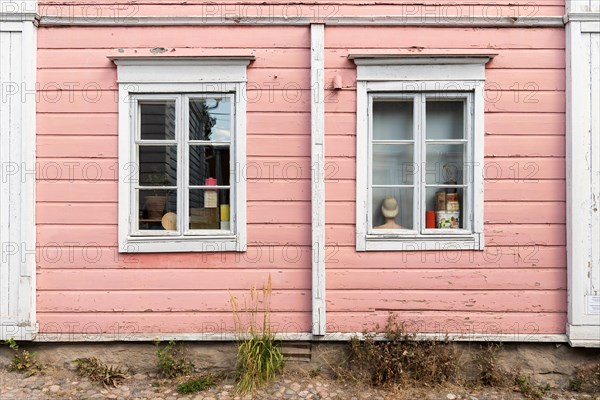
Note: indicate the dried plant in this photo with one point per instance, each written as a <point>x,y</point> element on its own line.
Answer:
<point>259,356</point>
<point>97,371</point>
<point>400,358</point>
<point>172,360</point>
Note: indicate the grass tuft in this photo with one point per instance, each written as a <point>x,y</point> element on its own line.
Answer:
<point>259,356</point>
<point>195,385</point>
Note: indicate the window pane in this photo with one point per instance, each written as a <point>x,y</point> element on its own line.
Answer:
<point>209,162</point>
<point>157,209</point>
<point>210,119</point>
<point>210,209</point>
<point>445,164</point>
<point>445,119</point>
<point>158,165</point>
<point>393,164</point>
<point>157,120</point>
<point>392,120</point>
<point>397,212</point>
<point>448,205</point>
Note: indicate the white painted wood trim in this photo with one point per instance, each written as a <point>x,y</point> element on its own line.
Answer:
<point>590,27</point>
<point>317,116</point>
<point>154,78</point>
<point>19,205</point>
<point>582,17</point>
<point>582,208</point>
<point>362,144</point>
<point>181,70</point>
<point>377,20</point>
<point>292,336</point>
<point>580,6</point>
<point>19,17</point>
<point>583,335</point>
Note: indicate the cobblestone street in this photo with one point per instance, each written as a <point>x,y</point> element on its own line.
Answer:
<point>56,383</point>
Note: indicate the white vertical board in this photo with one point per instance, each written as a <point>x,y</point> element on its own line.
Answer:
<point>317,115</point>
<point>17,180</point>
<point>6,294</point>
<point>594,272</point>
<point>583,175</point>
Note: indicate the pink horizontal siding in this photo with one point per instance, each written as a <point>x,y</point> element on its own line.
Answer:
<point>524,197</point>
<point>77,192</point>
<point>84,285</point>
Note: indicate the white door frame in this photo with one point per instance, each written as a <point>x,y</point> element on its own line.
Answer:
<point>17,169</point>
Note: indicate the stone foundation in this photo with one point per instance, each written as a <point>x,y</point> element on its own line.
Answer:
<point>543,363</point>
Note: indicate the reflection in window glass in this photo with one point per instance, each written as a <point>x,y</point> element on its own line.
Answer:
<point>158,165</point>
<point>157,120</point>
<point>210,119</point>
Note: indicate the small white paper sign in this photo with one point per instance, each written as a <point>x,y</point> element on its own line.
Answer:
<point>593,305</point>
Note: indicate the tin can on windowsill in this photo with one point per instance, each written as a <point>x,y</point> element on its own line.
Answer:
<point>447,219</point>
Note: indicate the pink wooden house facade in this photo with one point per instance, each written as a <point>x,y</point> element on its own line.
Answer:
<point>330,132</point>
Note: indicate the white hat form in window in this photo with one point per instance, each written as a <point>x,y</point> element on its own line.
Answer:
<point>389,209</point>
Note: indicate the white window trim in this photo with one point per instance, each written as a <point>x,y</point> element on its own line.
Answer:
<point>404,74</point>
<point>179,76</point>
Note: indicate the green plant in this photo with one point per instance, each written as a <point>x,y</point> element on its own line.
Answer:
<point>97,371</point>
<point>530,390</point>
<point>399,357</point>
<point>259,356</point>
<point>486,361</point>
<point>23,360</point>
<point>575,385</point>
<point>195,385</point>
<point>172,360</point>
<point>586,378</point>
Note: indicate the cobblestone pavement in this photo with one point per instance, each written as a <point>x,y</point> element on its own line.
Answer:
<point>64,384</point>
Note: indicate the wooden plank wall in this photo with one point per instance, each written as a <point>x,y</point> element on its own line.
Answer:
<point>517,285</point>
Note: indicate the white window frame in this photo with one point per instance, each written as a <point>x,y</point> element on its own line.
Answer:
<point>180,79</point>
<point>402,76</point>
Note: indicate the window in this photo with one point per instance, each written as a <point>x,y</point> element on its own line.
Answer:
<point>419,153</point>
<point>181,145</point>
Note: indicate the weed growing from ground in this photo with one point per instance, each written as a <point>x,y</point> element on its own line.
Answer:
<point>259,356</point>
<point>23,361</point>
<point>172,360</point>
<point>489,372</point>
<point>400,358</point>
<point>97,371</point>
<point>586,378</point>
<point>528,389</point>
<point>195,385</point>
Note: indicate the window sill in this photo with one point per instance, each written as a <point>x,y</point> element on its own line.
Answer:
<point>194,244</point>
<point>473,241</point>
